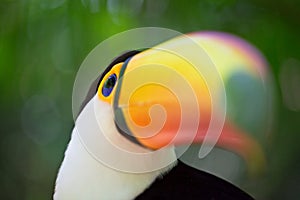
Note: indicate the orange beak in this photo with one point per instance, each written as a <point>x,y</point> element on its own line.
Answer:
<point>162,100</point>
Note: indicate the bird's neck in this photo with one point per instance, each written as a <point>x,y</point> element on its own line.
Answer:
<point>83,176</point>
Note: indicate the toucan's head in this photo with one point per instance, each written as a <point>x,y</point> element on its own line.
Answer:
<point>160,97</point>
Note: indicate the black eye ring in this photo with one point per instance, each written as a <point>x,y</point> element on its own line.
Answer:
<point>109,84</point>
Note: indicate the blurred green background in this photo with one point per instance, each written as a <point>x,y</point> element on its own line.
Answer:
<point>43,42</point>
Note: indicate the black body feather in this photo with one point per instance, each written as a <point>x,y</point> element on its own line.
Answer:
<point>184,182</point>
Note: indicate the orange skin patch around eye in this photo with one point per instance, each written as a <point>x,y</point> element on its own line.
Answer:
<point>115,70</point>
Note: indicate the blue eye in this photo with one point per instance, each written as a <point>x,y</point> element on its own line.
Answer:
<point>109,84</point>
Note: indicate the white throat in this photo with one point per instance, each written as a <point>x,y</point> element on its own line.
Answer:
<point>83,176</point>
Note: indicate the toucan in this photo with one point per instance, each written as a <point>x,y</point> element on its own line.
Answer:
<point>149,102</point>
